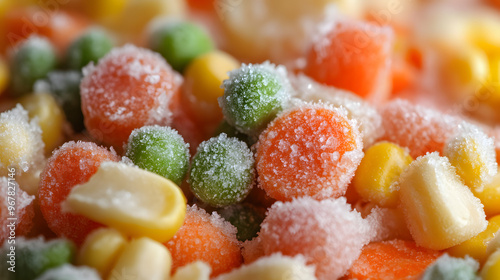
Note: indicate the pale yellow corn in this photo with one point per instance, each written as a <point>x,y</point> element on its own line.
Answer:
<point>101,250</point>
<point>476,246</point>
<point>44,107</point>
<point>134,201</point>
<point>273,267</point>
<point>21,144</point>
<point>484,31</point>
<point>197,270</point>
<point>490,196</point>
<point>378,171</point>
<point>143,259</point>
<point>472,153</point>
<point>440,210</point>
<point>491,269</point>
<point>493,244</point>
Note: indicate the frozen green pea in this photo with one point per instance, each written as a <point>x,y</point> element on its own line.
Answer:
<point>450,268</point>
<point>253,96</point>
<point>34,256</point>
<point>91,46</point>
<point>180,42</point>
<point>222,171</point>
<point>245,217</point>
<point>160,150</point>
<point>65,87</point>
<point>32,60</point>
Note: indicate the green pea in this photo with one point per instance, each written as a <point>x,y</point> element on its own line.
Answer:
<point>180,42</point>
<point>253,96</point>
<point>222,171</point>
<point>32,60</point>
<point>160,150</point>
<point>89,47</point>
<point>450,268</point>
<point>34,256</point>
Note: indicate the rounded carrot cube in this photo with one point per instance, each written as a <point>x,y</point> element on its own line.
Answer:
<point>395,259</point>
<point>308,151</point>
<point>355,56</point>
<point>206,238</point>
<point>129,88</point>
<point>72,164</point>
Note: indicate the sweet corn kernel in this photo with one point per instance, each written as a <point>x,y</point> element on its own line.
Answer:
<point>143,258</point>
<point>134,201</point>
<point>138,13</point>
<point>103,11</point>
<point>440,210</point>
<point>4,72</point>
<point>472,153</point>
<point>20,140</point>
<point>476,246</point>
<point>490,196</point>
<point>468,67</point>
<point>101,250</point>
<point>491,269</point>
<point>493,244</point>
<point>202,80</point>
<point>378,171</point>
<point>197,270</point>
<point>484,31</point>
<point>206,74</point>
<point>50,117</point>
<point>273,267</point>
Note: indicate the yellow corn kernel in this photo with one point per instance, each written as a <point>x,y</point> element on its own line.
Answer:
<point>197,270</point>
<point>439,209</point>
<point>206,74</point>
<point>202,84</point>
<point>103,11</point>
<point>4,72</point>
<point>493,244</point>
<point>491,269</point>
<point>134,201</point>
<point>138,13</point>
<point>101,250</point>
<point>490,196</point>
<point>476,246</point>
<point>484,31</point>
<point>467,68</point>
<point>275,266</point>
<point>21,144</point>
<point>50,117</point>
<point>472,153</point>
<point>378,171</point>
<point>143,258</point>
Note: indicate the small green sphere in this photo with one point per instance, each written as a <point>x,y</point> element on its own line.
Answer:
<point>160,150</point>
<point>180,42</point>
<point>450,268</point>
<point>32,60</point>
<point>34,256</point>
<point>253,96</point>
<point>222,171</point>
<point>245,217</point>
<point>91,46</point>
